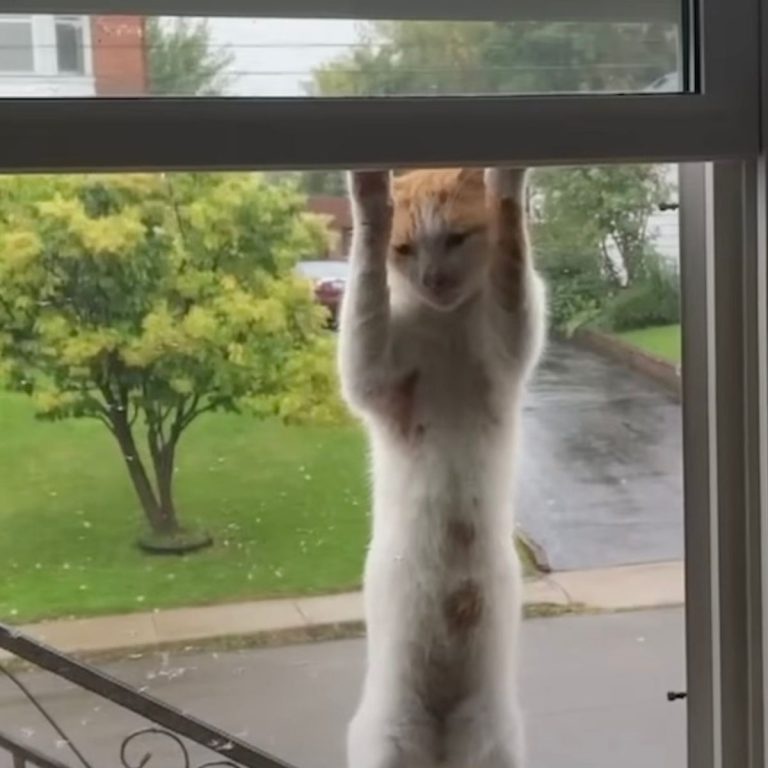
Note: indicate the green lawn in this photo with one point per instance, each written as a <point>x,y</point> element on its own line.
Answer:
<point>286,505</point>
<point>662,341</point>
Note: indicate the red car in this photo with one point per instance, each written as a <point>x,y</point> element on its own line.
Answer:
<point>329,279</point>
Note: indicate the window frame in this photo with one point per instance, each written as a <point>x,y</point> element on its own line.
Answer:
<point>715,120</point>
<point>724,236</point>
<point>79,24</point>
<point>724,291</point>
<point>25,19</point>
<point>44,50</point>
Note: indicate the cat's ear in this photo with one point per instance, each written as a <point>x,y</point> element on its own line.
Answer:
<point>396,180</point>
<point>470,176</point>
<point>506,183</point>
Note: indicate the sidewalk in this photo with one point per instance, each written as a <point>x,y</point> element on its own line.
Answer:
<point>626,587</point>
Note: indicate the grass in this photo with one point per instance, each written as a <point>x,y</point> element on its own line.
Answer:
<point>662,341</point>
<point>286,507</point>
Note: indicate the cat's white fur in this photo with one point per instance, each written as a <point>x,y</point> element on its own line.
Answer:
<point>440,689</point>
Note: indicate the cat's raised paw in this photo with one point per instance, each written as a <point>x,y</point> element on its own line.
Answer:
<point>366,185</point>
<point>506,183</point>
<point>371,201</point>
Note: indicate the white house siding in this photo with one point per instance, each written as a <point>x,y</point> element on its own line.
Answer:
<point>663,229</point>
<point>665,235</point>
<point>664,226</point>
<point>45,79</point>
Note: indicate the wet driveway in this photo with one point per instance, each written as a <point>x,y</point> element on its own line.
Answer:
<point>600,470</point>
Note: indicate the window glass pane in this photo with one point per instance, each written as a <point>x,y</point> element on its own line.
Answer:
<point>132,306</point>
<point>16,54</point>
<point>141,56</point>
<point>69,46</point>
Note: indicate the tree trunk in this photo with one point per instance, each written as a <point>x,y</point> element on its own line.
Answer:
<point>608,265</point>
<point>632,251</point>
<point>164,460</point>
<point>633,263</point>
<point>138,475</point>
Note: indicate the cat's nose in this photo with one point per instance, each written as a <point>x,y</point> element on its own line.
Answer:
<point>435,281</point>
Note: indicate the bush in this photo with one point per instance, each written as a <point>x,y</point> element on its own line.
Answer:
<point>655,300</point>
<point>576,289</point>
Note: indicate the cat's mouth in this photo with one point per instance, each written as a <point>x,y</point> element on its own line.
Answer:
<point>446,294</point>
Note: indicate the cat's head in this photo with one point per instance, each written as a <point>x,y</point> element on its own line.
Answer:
<point>439,243</point>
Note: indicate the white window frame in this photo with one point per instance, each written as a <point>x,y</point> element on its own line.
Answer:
<point>724,237</point>
<point>26,20</point>
<point>725,345</point>
<point>45,46</point>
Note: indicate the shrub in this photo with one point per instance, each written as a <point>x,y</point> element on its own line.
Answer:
<point>654,300</point>
<point>576,289</point>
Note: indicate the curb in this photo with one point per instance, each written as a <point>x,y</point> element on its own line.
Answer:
<point>289,621</point>
<point>661,371</point>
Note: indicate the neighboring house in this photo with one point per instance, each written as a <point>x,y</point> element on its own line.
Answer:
<point>70,56</point>
<point>664,225</point>
<point>336,209</point>
<point>119,55</point>
<point>45,56</point>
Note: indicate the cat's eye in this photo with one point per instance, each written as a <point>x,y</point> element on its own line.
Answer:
<point>403,249</point>
<point>455,239</point>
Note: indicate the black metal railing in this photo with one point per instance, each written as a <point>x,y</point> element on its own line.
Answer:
<point>169,725</point>
<point>24,755</point>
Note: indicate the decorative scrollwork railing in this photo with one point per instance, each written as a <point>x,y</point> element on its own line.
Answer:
<point>169,726</point>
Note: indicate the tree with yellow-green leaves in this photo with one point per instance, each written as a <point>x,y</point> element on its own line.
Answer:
<point>146,301</point>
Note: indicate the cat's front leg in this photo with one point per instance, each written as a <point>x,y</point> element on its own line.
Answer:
<point>517,289</point>
<point>371,201</point>
<point>364,329</point>
<point>506,193</point>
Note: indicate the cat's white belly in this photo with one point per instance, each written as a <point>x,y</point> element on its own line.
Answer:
<point>442,577</point>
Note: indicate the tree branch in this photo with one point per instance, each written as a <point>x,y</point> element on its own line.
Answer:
<point>178,423</point>
<point>106,421</point>
<point>192,415</point>
<point>107,394</point>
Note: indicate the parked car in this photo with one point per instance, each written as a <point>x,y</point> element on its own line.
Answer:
<point>329,279</point>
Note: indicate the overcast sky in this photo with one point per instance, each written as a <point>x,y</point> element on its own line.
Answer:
<point>289,48</point>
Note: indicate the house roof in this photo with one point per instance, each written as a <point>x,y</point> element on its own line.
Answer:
<point>335,206</point>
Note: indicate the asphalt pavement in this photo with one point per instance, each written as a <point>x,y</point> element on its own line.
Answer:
<point>593,691</point>
<point>600,466</point>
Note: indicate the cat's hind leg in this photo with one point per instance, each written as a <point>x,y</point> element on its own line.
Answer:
<point>377,740</point>
<point>480,737</point>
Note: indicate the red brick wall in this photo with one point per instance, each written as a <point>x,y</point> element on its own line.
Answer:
<point>336,209</point>
<point>119,55</point>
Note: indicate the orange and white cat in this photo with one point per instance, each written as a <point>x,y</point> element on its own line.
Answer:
<point>442,323</point>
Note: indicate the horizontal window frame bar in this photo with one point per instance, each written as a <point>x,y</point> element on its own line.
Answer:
<point>306,133</point>
<point>458,10</point>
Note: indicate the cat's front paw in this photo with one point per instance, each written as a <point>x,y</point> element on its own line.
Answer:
<point>371,197</point>
<point>506,183</point>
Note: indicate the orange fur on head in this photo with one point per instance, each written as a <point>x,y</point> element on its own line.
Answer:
<point>457,193</point>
